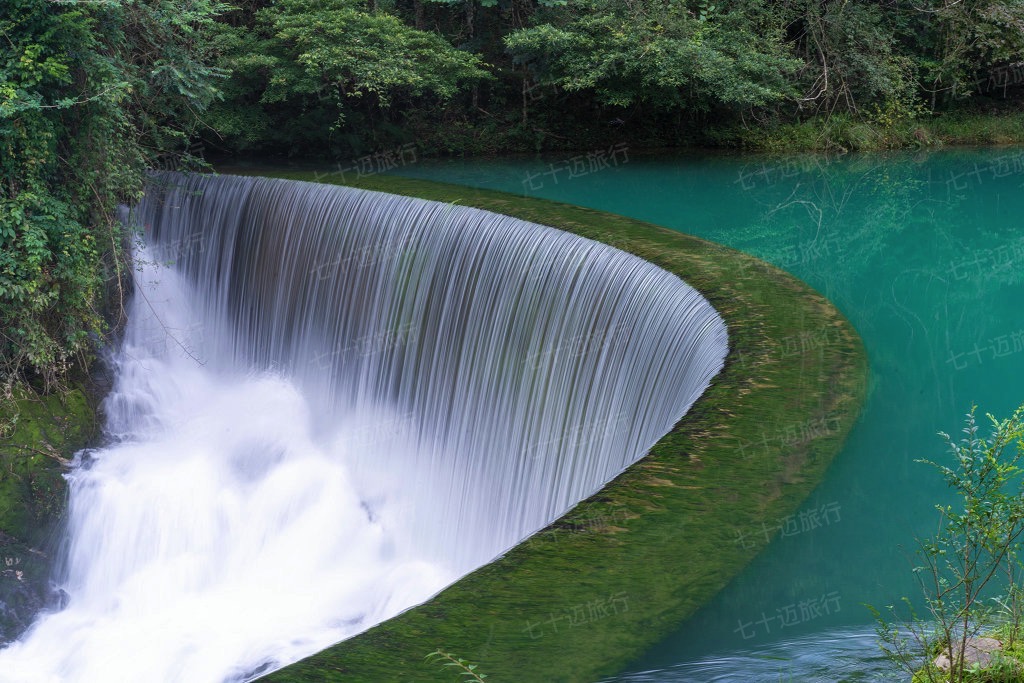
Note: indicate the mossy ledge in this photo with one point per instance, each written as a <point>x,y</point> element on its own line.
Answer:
<point>618,572</point>
<point>40,434</point>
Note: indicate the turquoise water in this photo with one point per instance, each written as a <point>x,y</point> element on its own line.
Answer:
<point>925,255</point>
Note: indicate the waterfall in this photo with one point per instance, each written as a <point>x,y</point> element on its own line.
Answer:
<point>330,403</point>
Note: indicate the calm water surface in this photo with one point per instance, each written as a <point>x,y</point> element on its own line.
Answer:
<point>925,255</point>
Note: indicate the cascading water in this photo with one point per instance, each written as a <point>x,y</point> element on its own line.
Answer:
<point>334,402</point>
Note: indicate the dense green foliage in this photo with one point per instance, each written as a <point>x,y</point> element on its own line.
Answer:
<point>476,76</point>
<point>661,54</point>
<point>91,94</point>
<point>301,68</point>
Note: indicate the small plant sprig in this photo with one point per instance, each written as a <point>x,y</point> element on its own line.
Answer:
<point>978,539</point>
<point>465,668</point>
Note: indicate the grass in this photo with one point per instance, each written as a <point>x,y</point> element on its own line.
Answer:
<point>1007,665</point>
<point>979,129</point>
<point>843,133</point>
<point>622,569</point>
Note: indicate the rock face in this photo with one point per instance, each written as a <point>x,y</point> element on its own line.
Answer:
<point>24,586</point>
<point>34,450</point>
<point>980,651</point>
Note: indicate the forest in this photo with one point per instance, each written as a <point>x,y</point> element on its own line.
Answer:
<point>95,92</point>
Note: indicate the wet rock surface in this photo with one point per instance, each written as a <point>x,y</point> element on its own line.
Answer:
<point>24,586</point>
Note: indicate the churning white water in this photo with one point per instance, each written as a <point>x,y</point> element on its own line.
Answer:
<point>331,403</point>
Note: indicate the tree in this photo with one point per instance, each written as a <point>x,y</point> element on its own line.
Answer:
<point>91,95</point>
<point>303,68</point>
<point>978,542</point>
<point>663,54</point>
<point>962,39</point>
<point>851,57</point>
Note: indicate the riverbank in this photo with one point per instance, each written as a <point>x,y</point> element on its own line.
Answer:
<point>835,135</point>
<point>842,133</point>
<point>583,597</point>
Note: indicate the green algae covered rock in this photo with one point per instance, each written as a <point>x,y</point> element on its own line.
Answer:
<point>41,435</point>
<point>38,436</point>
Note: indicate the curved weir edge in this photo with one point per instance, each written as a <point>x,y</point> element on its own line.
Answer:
<point>582,598</point>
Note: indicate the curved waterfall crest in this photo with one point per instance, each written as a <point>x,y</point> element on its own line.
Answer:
<point>531,364</point>
<point>357,395</point>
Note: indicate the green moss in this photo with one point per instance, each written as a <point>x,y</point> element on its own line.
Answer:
<point>618,572</point>
<point>43,431</point>
<point>39,434</point>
